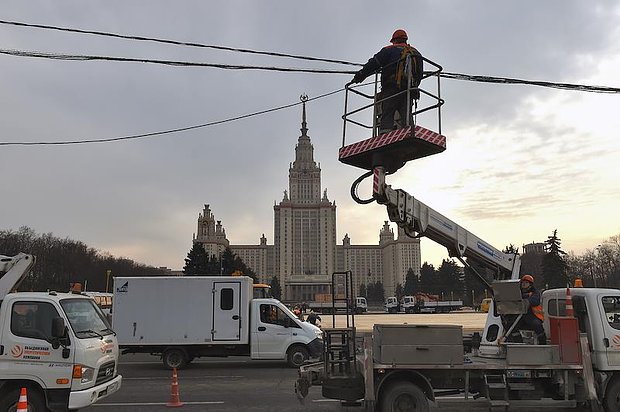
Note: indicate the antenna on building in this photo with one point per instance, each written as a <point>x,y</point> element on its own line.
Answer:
<point>304,128</point>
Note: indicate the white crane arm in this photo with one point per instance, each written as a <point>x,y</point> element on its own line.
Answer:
<point>13,269</point>
<point>418,219</point>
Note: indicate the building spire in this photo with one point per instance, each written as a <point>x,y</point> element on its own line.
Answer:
<point>304,128</point>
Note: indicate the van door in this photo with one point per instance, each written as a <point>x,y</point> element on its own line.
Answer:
<point>226,311</point>
<point>274,332</point>
<point>610,313</point>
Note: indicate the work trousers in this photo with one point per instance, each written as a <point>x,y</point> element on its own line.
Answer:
<point>395,103</point>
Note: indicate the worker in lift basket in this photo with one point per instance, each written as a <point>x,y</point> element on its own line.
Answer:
<point>533,319</point>
<point>391,61</point>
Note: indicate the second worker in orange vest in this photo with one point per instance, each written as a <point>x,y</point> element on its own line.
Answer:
<point>533,319</point>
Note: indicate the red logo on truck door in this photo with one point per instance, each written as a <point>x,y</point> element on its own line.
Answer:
<point>30,352</point>
<point>17,351</point>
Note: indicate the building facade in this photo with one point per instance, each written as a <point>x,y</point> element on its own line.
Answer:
<point>305,252</point>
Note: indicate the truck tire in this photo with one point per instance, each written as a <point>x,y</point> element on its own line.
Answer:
<point>404,396</point>
<point>296,356</point>
<point>36,400</point>
<point>175,358</point>
<point>612,396</point>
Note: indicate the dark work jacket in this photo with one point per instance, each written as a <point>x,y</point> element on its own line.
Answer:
<point>387,61</point>
<point>533,297</point>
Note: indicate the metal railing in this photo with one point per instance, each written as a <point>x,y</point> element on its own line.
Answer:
<point>434,101</point>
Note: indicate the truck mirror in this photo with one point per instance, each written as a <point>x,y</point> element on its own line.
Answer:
<point>58,327</point>
<point>579,305</point>
<point>287,322</point>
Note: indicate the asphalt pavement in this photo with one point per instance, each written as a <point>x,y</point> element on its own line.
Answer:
<point>227,384</point>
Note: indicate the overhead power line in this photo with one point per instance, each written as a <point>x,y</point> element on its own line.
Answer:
<point>454,76</point>
<point>175,42</point>
<point>178,63</point>
<point>169,131</point>
<point>508,80</point>
<point>75,57</point>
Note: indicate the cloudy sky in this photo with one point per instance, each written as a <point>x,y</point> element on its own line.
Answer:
<point>521,160</point>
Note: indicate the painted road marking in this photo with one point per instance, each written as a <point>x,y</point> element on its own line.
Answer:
<point>167,378</point>
<point>155,403</point>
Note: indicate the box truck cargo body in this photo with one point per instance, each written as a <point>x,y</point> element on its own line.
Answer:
<point>184,317</point>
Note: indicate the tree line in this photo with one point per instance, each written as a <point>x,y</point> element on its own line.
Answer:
<point>61,262</point>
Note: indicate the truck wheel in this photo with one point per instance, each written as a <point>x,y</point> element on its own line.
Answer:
<point>612,396</point>
<point>175,358</point>
<point>404,396</point>
<point>297,356</point>
<point>36,401</point>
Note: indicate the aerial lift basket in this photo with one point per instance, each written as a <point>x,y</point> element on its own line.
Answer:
<point>410,141</point>
<point>393,149</point>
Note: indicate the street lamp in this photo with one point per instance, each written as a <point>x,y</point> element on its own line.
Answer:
<point>107,279</point>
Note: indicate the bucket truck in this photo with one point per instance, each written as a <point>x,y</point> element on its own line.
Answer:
<point>57,345</point>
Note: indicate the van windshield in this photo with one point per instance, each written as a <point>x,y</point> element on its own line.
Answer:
<point>86,318</point>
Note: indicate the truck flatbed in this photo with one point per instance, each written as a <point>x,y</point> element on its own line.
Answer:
<point>478,363</point>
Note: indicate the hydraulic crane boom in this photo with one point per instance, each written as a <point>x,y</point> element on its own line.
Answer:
<point>13,269</point>
<point>418,219</point>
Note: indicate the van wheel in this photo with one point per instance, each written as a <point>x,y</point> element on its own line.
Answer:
<point>612,396</point>
<point>404,396</point>
<point>36,401</point>
<point>297,356</point>
<point>175,358</point>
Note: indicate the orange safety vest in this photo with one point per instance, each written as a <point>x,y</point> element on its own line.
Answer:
<point>538,310</point>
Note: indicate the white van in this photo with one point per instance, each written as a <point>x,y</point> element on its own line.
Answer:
<point>185,317</point>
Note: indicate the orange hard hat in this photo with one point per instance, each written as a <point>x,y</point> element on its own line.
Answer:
<point>528,278</point>
<point>399,34</point>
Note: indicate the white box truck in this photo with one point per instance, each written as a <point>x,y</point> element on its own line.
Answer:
<point>57,345</point>
<point>184,317</point>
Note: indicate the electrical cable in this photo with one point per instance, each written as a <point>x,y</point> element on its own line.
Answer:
<point>508,80</point>
<point>453,76</point>
<point>446,75</point>
<point>74,57</point>
<point>175,42</point>
<point>170,131</point>
<point>354,186</point>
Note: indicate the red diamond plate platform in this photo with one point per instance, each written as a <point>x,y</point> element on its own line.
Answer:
<point>393,149</point>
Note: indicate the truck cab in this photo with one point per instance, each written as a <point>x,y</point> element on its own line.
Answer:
<point>59,346</point>
<point>278,334</point>
<point>391,304</point>
<point>408,304</point>
<point>598,314</point>
<point>361,305</point>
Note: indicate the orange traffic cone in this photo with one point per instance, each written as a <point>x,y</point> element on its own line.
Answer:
<point>569,304</point>
<point>22,404</point>
<point>175,400</point>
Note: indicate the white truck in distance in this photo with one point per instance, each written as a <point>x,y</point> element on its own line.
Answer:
<point>185,317</point>
<point>361,306</point>
<point>391,304</point>
<point>57,345</point>
<point>417,304</point>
